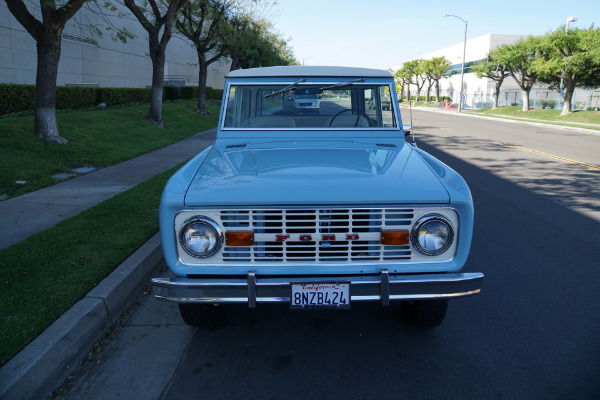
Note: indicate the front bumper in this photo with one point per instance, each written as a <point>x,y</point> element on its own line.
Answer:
<point>252,289</point>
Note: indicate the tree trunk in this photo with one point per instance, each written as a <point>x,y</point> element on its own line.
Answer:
<point>428,93</point>
<point>526,100</point>
<point>569,90</point>
<point>202,75</point>
<point>158,77</point>
<point>48,56</point>
<point>437,91</point>
<point>497,94</point>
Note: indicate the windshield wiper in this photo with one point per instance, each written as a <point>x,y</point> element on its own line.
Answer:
<point>348,83</point>
<point>285,89</point>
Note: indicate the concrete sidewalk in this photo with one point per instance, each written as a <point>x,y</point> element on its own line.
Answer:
<point>25,215</point>
<point>511,120</point>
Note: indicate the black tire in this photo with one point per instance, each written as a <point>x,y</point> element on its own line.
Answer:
<point>425,313</point>
<point>200,315</point>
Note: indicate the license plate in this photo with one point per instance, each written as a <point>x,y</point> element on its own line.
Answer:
<point>320,295</point>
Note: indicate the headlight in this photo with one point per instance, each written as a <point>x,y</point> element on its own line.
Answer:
<point>432,235</point>
<point>200,237</point>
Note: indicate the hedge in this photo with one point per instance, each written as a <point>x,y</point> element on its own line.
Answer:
<point>191,92</point>
<point>116,96</point>
<point>15,98</point>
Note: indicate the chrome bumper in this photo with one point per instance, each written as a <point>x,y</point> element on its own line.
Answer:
<point>252,290</point>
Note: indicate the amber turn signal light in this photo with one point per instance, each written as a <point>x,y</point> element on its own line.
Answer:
<point>395,238</point>
<point>237,239</point>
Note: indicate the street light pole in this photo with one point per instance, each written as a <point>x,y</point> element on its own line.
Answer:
<point>462,73</point>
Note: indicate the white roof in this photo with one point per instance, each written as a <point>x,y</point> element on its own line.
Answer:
<point>309,71</point>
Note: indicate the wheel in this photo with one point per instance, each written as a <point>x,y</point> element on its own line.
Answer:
<point>425,313</point>
<point>200,315</point>
<point>358,115</point>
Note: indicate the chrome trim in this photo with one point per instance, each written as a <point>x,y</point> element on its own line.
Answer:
<point>448,213</point>
<point>396,108</point>
<point>252,289</point>
<point>422,221</point>
<point>207,221</point>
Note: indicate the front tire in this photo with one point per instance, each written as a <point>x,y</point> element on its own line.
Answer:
<point>425,313</point>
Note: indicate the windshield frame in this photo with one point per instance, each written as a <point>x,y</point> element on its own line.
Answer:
<point>311,81</point>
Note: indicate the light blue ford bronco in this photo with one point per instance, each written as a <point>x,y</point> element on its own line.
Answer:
<point>318,210</point>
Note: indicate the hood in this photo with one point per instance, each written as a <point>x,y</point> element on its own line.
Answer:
<point>293,174</point>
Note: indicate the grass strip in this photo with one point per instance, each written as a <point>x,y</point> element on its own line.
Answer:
<point>96,138</point>
<point>44,275</point>
<point>580,119</point>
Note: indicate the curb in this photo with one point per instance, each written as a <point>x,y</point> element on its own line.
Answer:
<point>510,121</point>
<point>47,361</point>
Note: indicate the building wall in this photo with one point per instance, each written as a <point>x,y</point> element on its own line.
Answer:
<point>477,49</point>
<point>109,63</point>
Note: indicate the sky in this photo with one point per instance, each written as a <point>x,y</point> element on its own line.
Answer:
<point>385,33</point>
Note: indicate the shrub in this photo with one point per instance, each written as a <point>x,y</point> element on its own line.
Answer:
<point>116,96</point>
<point>189,92</point>
<point>74,97</point>
<point>15,98</point>
<point>170,93</point>
<point>215,94</point>
<point>551,103</point>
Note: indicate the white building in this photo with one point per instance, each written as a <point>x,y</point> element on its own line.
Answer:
<point>478,93</point>
<point>108,64</point>
<point>475,89</point>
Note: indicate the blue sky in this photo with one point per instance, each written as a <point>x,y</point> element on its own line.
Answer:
<point>385,33</point>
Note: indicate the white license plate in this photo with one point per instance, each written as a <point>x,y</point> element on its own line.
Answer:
<point>320,295</point>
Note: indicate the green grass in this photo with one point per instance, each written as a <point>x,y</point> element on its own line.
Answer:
<point>44,275</point>
<point>576,118</point>
<point>96,138</point>
<point>420,104</point>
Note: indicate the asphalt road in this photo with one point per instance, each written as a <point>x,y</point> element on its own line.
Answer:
<point>533,332</point>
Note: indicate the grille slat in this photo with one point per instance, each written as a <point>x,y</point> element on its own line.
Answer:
<point>305,231</point>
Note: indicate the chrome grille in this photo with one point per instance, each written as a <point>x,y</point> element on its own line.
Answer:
<point>304,230</point>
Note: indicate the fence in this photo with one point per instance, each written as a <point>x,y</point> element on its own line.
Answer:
<point>583,99</point>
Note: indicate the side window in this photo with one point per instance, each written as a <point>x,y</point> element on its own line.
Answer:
<point>371,103</point>
<point>238,108</point>
<point>387,111</point>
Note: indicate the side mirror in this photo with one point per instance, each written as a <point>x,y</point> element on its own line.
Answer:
<point>407,130</point>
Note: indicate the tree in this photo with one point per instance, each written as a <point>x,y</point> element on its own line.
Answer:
<point>406,77</point>
<point>250,43</point>
<point>204,23</point>
<point>47,34</point>
<point>491,70</point>
<point>416,69</point>
<point>519,57</point>
<point>437,68</point>
<point>572,55</point>
<point>155,22</point>
<point>428,74</point>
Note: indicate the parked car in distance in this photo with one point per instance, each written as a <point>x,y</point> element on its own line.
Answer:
<point>316,211</point>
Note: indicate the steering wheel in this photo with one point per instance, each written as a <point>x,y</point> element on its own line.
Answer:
<point>358,115</point>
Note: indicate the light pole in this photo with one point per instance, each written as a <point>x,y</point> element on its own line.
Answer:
<point>562,74</point>
<point>462,73</point>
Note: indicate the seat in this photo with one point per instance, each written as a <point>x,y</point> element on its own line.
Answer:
<point>272,121</point>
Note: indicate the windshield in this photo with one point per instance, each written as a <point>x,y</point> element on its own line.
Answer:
<point>312,106</point>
